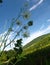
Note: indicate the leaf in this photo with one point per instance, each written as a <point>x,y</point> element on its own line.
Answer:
<point>16,45</point>
<point>19,41</point>
<point>15,49</point>
<point>20,50</point>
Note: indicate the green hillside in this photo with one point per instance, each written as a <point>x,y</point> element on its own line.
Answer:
<point>37,52</point>
<point>38,43</point>
<point>37,40</point>
<point>39,57</point>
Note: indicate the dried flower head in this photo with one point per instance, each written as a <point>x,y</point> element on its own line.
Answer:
<point>26,15</point>
<point>18,22</point>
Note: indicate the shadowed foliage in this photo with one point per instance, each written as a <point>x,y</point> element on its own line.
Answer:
<point>37,52</point>
<point>39,57</point>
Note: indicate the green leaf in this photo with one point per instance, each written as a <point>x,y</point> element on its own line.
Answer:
<point>16,45</point>
<point>19,41</point>
<point>20,50</point>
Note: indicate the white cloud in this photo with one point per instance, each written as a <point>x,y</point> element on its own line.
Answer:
<point>42,26</point>
<point>37,34</point>
<point>10,37</point>
<point>32,36</point>
<point>34,6</point>
<point>48,20</point>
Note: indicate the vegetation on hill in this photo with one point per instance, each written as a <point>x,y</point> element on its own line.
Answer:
<point>37,40</point>
<point>34,53</point>
<point>37,52</point>
<point>39,57</point>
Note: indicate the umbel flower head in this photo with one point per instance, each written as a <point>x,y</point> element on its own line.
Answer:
<point>30,23</point>
<point>26,34</point>
<point>26,15</point>
<point>18,22</point>
<point>25,27</point>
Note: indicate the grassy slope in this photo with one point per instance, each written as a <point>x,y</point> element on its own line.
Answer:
<point>39,57</point>
<point>37,40</point>
<point>37,52</point>
<point>38,43</point>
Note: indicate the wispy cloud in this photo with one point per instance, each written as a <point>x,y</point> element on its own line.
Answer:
<point>37,34</point>
<point>10,37</point>
<point>48,20</point>
<point>32,36</point>
<point>42,26</point>
<point>34,6</point>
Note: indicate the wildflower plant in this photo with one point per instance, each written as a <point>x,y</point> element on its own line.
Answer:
<point>12,34</point>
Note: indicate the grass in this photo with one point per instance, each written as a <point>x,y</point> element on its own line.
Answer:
<point>44,42</point>
<point>37,52</point>
<point>39,57</point>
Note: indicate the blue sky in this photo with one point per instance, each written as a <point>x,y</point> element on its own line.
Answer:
<point>9,9</point>
<point>40,14</point>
